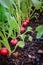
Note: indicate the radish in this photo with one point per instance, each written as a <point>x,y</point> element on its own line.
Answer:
<point>22,29</point>
<point>13,42</point>
<point>4,51</point>
<point>24,24</point>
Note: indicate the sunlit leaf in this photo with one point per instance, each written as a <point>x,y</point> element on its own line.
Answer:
<point>39,30</point>
<point>30,38</point>
<point>13,25</point>
<point>6,3</point>
<point>21,44</point>
<point>29,28</point>
<point>6,44</point>
<point>2,14</point>
<point>37,4</point>
<point>22,36</point>
<point>0,46</point>
<point>5,41</point>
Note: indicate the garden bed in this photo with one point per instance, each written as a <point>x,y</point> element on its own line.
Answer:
<point>32,53</point>
<point>21,32</point>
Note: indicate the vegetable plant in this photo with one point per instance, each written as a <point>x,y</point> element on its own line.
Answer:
<point>14,18</point>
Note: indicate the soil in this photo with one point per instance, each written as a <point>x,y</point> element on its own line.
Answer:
<point>32,53</point>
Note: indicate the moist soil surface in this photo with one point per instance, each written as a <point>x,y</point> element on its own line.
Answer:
<point>32,53</point>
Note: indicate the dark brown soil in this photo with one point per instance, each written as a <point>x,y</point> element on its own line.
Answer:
<point>31,54</point>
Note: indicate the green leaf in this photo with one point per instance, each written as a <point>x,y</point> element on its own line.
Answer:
<point>21,44</point>
<point>6,3</point>
<point>23,7</point>
<point>39,34</point>
<point>2,14</point>
<point>13,25</point>
<point>1,35</point>
<point>37,4</point>
<point>22,36</point>
<point>29,29</point>
<point>30,38</point>
<point>6,44</point>
<point>5,41</point>
<point>0,46</point>
<point>39,30</point>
